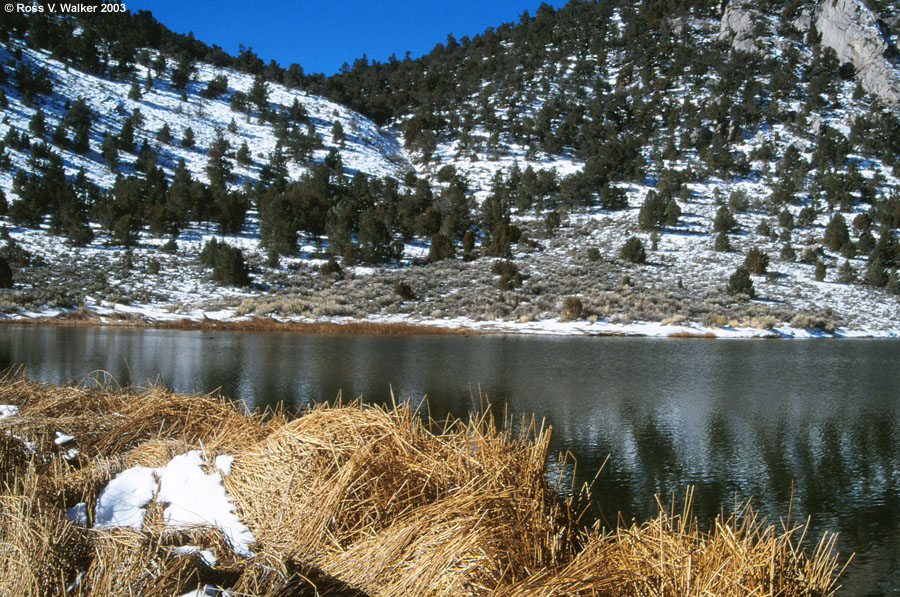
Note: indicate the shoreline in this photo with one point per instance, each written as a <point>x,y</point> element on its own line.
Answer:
<point>226,320</point>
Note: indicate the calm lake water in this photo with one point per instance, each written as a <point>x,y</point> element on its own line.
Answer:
<point>816,419</point>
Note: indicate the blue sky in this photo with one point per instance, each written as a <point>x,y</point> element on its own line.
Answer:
<point>322,35</point>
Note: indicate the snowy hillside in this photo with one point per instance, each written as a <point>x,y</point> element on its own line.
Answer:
<point>504,203</point>
<point>367,148</point>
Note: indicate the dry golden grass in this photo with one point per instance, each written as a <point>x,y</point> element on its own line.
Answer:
<point>349,500</point>
<point>741,555</point>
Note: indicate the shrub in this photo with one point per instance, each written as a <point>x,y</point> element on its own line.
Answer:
<point>593,254</point>
<point>330,267</point>
<point>740,282</point>
<point>509,274</point>
<point>633,251</point>
<point>763,229</point>
<point>404,291</point>
<point>572,308</point>
<point>216,87</point>
<point>227,263</point>
<point>658,211</point>
<point>673,212</point>
<point>164,134</point>
<point>613,198</point>
<point>187,141</point>
<point>756,261</point>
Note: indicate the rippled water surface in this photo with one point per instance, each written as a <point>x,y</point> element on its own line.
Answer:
<point>767,420</point>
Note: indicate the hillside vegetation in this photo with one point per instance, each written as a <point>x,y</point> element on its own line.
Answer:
<point>603,163</point>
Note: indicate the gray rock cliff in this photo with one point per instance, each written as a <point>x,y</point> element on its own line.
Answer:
<point>738,24</point>
<point>853,32</point>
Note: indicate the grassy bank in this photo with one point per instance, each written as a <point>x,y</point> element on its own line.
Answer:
<point>342,500</point>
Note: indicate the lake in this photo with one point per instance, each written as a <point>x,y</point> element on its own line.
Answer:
<point>810,425</point>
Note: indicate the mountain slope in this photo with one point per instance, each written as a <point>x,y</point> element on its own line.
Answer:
<point>531,152</point>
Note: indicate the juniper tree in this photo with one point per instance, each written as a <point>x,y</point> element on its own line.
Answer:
<point>6,274</point>
<point>633,251</point>
<point>836,233</point>
<point>724,221</point>
<point>756,261</point>
<point>740,282</point>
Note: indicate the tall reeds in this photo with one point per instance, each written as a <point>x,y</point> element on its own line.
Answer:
<point>348,500</point>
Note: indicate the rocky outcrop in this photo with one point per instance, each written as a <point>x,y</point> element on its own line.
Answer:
<point>853,32</point>
<point>738,24</point>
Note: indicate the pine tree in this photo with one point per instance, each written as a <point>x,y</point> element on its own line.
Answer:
<point>259,95</point>
<point>243,156</point>
<point>183,72</point>
<point>187,140</point>
<point>164,135</point>
<point>125,140</point>
<point>78,119</point>
<point>38,124</point>
<point>337,134</point>
<point>227,263</point>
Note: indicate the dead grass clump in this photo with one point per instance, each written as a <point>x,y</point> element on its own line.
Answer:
<point>370,496</point>
<point>157,413</point>
<point>124,561</point>
<point>668,555</point>
<point>39,548</point>
<point>13,459</point>
<point>351,500</point>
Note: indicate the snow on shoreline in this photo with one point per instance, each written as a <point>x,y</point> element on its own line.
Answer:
<point>112,314</point>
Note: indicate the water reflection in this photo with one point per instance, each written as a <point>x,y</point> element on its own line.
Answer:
<point>816,420</point>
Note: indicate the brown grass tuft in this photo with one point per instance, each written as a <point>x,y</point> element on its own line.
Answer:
<point>349,500</point>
